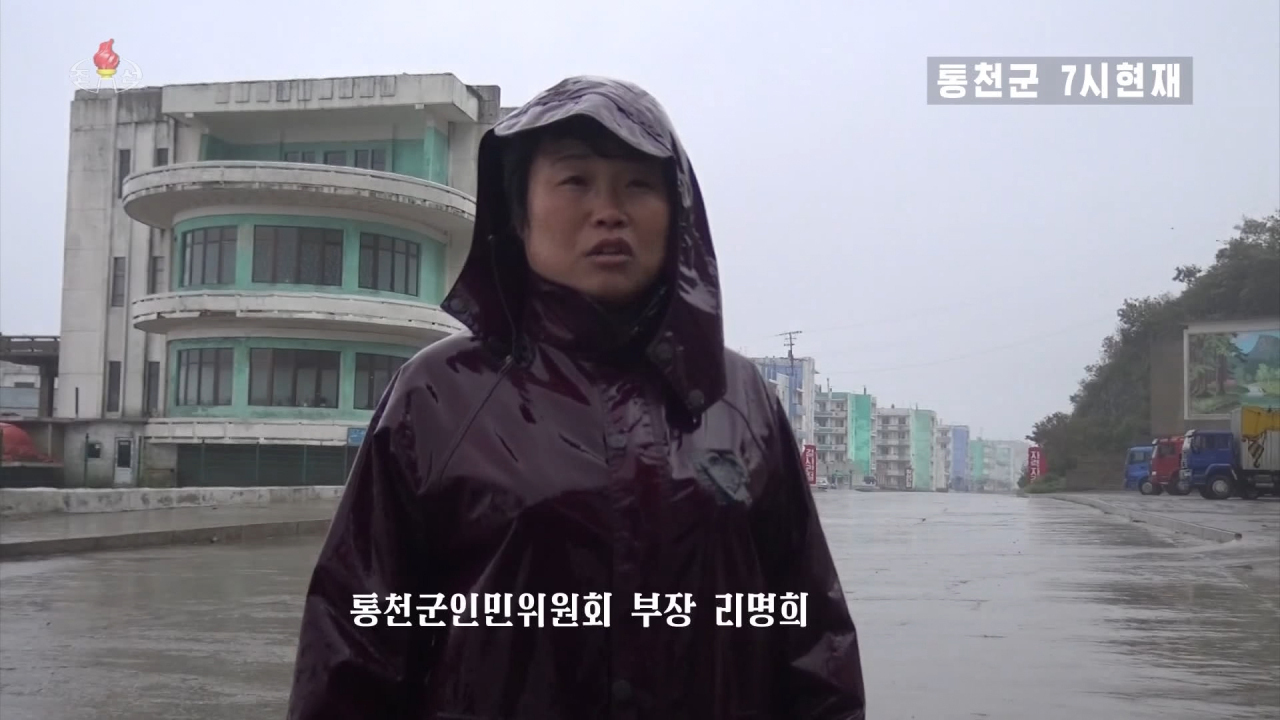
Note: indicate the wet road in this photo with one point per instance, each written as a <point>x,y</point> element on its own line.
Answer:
<point>969,606</point>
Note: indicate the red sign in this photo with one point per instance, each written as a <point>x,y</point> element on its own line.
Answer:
<point>1035,463</point>
<point>811,463</point>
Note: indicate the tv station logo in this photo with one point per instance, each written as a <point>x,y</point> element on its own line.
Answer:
<point>106,70</point>
<point>1059,81</point>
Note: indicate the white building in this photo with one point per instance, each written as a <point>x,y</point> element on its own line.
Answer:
<point>246,264</point>
<point>942,458</point>
<point>906,448</point>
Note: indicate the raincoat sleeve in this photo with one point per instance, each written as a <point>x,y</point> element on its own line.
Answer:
<point>376,546</point>
<point>820,666</point>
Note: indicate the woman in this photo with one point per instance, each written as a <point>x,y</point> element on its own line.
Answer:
<point>589,435</point>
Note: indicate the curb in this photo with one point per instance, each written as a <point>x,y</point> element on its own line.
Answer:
<point>158,538</point>
<point>1164,521</point>
<point>21,502</point>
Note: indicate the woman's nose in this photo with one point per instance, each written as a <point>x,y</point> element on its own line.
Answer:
<point>609,211</point>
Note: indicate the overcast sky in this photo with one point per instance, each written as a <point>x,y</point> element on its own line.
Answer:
<point>966,259</point>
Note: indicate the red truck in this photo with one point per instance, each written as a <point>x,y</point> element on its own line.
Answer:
<point>1166,461</point>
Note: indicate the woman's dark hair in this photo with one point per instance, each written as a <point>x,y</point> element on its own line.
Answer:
<point>521,148</point>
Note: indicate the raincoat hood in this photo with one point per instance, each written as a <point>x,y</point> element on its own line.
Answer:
<point>490,295</point>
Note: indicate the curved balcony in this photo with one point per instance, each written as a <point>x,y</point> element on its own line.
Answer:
<point>319,312</point>
<point>155,197</point>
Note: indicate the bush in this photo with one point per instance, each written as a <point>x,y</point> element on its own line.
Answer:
<point>1046,484</point>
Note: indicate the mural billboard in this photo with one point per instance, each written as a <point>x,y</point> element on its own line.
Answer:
<point>1227,365</point>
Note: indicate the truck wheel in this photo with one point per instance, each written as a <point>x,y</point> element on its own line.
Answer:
<point>1182,487</point>
<point>1250,492</point>
<point>1204,493</point>
<point>1149,488</point>
<point>1220,487</point>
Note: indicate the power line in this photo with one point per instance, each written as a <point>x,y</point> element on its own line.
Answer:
<point>979,353</point>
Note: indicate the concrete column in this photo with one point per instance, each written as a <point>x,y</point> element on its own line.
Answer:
<point>464,147</point>
<point>48,373</point>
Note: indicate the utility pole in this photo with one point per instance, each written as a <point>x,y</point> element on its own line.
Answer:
<point>791,345</point>
<point>791,356</point>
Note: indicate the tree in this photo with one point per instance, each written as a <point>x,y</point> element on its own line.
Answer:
<point>1186,274</point>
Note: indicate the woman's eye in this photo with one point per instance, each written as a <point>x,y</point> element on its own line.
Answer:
<point>574,180</point>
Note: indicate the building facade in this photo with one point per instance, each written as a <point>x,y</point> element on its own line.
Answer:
<point>923,443</point>
<point>893,448</point>
<point>862,442</point>
<point>844,425</point>
<point>248,263</point>
<point>801,391</point>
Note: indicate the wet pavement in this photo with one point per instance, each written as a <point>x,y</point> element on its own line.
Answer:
<point>968,606</point>
<point>1255,519</point>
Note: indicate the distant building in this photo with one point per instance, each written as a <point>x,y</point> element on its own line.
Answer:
<point>801,391</point>
<point>941,458</point>
<point>924,438</point>
<point>956,457</point>
<point>997,464</point>
<point>845,432</point>
<point>19,391</point>
<point>906,441</point>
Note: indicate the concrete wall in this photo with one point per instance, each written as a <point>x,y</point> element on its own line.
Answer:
<point>1166,378</point>
<point>82,471</point>
<point>97,229</point>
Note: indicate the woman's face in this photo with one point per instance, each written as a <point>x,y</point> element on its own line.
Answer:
<point>595,224</point>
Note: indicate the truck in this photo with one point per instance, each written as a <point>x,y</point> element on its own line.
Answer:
<point>1166,465</point>
<point>1137,468</point>
<point>1243,461</point>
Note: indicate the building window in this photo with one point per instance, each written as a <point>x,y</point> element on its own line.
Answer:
<point>297,255</point>
<point>117,281</point>
<point>373,374</point>
<point>155,265</point>
<point>113,386</point>
<point>335,157</point>
<point>300,156</point>
<point>388,264</point>
<point>204,376</point>
<point>209,256</point>
<point>151,388</point>
<point>155,274</point>
<point>162,157</point>
<point>294,378</point>
<point>375,159</point>
<point>123,168</point>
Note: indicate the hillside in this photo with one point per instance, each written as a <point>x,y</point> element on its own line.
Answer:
<point>1111,410</point>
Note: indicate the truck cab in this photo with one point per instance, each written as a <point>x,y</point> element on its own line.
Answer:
<point>1208,463</point>
<point>1137,468</point>
<point>1166,462</point>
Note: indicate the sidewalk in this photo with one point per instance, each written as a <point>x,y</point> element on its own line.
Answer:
<point>69,533</point>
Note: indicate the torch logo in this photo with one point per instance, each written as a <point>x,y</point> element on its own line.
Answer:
<point>106,69</point>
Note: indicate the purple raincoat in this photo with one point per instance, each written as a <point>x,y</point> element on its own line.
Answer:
<point>549,451</point>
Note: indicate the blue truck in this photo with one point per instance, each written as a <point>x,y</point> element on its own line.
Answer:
<point>1243,461</point>
<point>1137,468</point>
